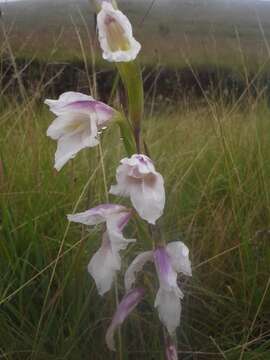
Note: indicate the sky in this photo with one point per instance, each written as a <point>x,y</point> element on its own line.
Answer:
<point>3,1</point>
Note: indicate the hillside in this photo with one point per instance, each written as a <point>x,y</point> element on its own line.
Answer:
<point>195,28</point>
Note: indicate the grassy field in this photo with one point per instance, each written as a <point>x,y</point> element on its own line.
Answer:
<point>213,151</point>
<point>215,160</point>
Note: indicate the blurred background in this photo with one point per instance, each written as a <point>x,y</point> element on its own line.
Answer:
<point>219,40</point>
<point>206,31</point>
<point>206,76</point>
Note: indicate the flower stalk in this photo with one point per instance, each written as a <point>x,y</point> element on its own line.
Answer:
<point>119,46</point>
<point>126,135</point>
<point>79,122</point>
<point>131,76</point>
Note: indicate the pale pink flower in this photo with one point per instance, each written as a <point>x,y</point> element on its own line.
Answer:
<point>126,306</point>
<point>115,35</point>
<point>169,260</point>
<point>106,261</point>
<point>79,118</point>
<point>137,178</point>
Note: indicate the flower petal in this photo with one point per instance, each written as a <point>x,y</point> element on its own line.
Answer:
<point>149,199</point>
<point>118,241</point>
<point>103,265</point>
<point>122,188</point>
<point>69,145</point>
<point>76,103</point>
<point>107,260</point>
<point>137,178</point>
<point>104,113</point>
<point>168,297</point>
<point>166,274</point>
<point>99,214</point>
<point>168,304</point>
<point>179,255</point>
<point>140,164</point>
<point>126,306</point>
<point>115,216</point>
<point>115,35</point>
<point>136,266</point>
<point>58,106</point>
<point>76,127</point>
<point>62,125</point>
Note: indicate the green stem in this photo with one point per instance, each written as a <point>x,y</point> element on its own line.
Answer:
<point>131,76</point>
<point>126,135</point>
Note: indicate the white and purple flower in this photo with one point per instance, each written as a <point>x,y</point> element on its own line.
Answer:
<point>126,306</point>
<point>79,118</point>
<point>137,178</point>
<point>169,261</point>
<point>106,261</point>
<point>115,35</point>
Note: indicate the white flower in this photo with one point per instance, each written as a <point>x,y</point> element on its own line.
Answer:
<point>115,35</point>
<point>169,260</point>
<point>106,261</point>
<point>79,117</point>
<point>137,178</point>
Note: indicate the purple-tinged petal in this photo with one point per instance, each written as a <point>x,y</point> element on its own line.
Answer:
<point>126,306</point>
<point>168,297</point>
<point>72,102</point>
<point>81,106</point>
<point>99,214</point>
<point>100,111</point>
<point>171,351</point>
<point>66,98</point>
<point>136,266</point>
<point>166,274</point>
<point>123,221</point>
<point>104,113</point>
<point>137,178</point>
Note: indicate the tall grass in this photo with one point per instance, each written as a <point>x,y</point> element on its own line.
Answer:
<point>215,162</point>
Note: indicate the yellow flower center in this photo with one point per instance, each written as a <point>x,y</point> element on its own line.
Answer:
<point>116,35</point>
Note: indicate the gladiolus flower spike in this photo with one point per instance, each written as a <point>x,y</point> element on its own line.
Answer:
<point>169,261</point>
<point>106,261</point>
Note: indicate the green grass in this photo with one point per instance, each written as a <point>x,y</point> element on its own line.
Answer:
<point>215,160</point>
